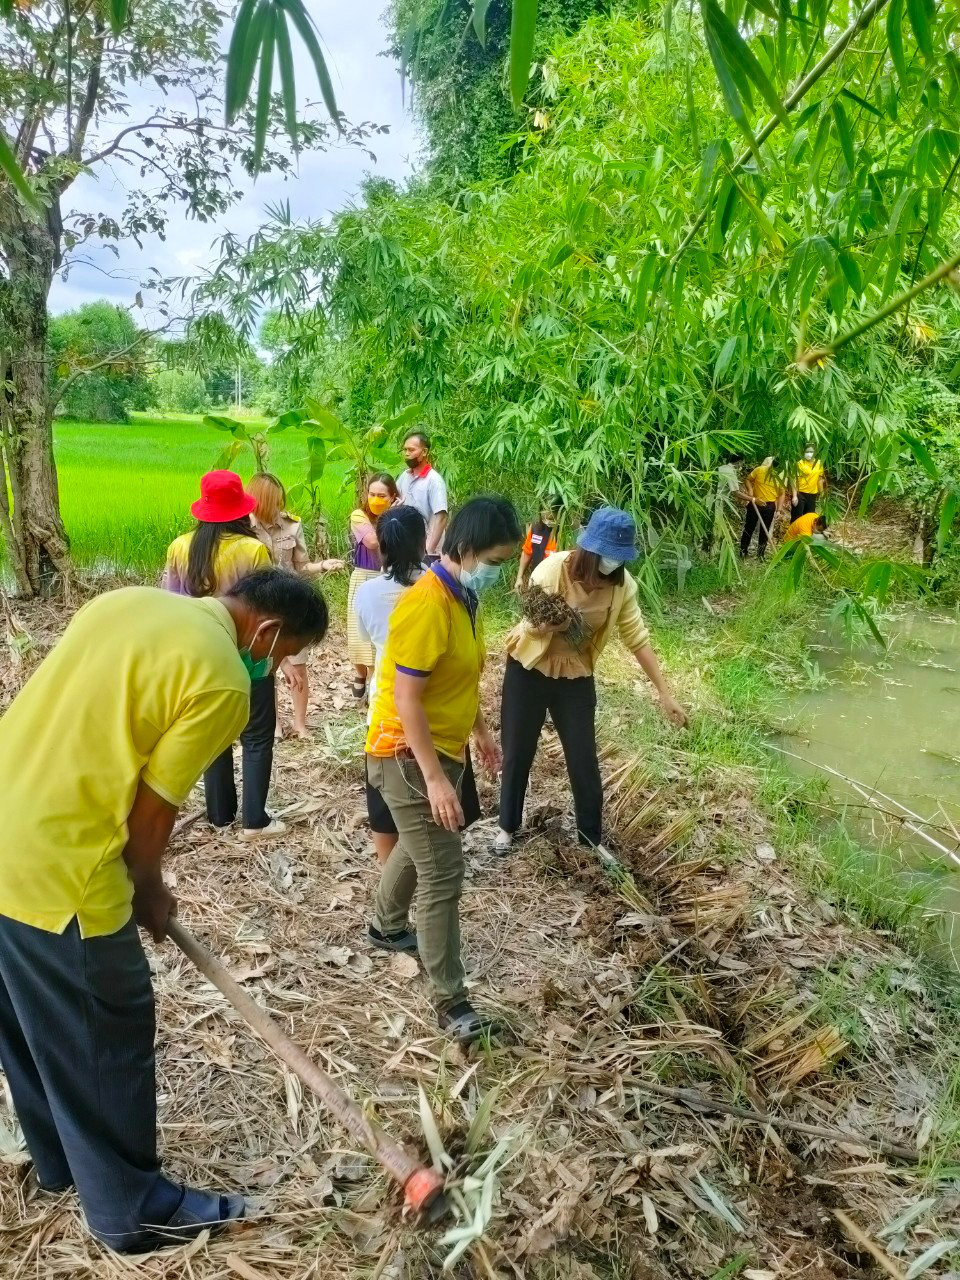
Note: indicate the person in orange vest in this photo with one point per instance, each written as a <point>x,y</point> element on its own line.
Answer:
<point>541,540</point>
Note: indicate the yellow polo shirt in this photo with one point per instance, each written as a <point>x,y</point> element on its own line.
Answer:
<point>432,636</point>
<point>765,486</point>
<point>143,684</point>
<point>808,476</point>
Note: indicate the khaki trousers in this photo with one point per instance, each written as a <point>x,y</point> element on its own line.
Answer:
<point>429,861</point>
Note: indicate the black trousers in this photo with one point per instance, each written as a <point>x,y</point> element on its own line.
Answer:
<point>805,503</point>
<point>77,1029</point>
<point>527,697</point>
<point>760,514</point>
<point>256,741</point>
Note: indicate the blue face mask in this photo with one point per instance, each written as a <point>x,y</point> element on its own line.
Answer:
<point>258,669</point>
<point>480,577</point>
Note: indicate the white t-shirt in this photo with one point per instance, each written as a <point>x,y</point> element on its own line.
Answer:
<point>373,604</point>
<point>425,489</point>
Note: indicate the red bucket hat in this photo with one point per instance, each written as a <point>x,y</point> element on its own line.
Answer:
<point>222,498</point>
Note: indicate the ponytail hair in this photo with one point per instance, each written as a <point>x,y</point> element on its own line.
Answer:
<point>402,536</point>
<point>201,577</point>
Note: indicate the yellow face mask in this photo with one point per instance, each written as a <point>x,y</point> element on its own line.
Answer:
<point>378,505</point>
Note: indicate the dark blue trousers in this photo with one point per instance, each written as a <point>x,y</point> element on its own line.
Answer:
<point>77,1028</point>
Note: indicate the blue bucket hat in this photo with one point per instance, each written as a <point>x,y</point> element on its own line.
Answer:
<point>612,533</point>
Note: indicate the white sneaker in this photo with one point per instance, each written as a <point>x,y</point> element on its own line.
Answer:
<point>503,843</point>
<point>273,829</point>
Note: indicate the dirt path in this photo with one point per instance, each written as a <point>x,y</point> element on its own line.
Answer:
<point>694,971</point>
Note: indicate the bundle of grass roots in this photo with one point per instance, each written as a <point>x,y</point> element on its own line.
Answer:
<point>543,609</point>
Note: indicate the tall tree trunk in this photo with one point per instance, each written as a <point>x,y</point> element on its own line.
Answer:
<point>40,547</point>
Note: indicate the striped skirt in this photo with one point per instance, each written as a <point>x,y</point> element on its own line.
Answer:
<point>360,652</point>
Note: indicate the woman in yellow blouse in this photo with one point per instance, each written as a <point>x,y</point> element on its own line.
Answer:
<point>809,484</point>
<point>547,671</point>
<point>210,561</point>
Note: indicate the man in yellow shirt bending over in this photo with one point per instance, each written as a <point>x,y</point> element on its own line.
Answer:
<point>765,496</point>
<point>97,753</point>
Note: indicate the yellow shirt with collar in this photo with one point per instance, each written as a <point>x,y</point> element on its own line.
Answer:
<point>143,684</point>
<point>808,476</point>
<point>431,635</point>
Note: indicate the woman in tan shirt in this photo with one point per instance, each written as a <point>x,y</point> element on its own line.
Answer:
<point>282,535</point>
<point>547,671</point>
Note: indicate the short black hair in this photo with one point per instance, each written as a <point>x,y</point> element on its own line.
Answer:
<point>418,435</point>
<point>402,537</point>
<point>821,523</point>
<point>482,523</point>
<point>278,593</point>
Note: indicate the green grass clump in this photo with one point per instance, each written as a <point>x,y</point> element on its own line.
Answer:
<point>126,488</point>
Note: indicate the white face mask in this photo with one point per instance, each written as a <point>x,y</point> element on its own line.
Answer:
<point>609,566</point>
<point>809,455</point>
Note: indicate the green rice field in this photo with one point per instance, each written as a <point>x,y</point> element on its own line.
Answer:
<point>126,488</point>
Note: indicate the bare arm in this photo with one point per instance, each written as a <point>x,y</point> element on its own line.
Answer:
<point>435,531</point>
<point>651,669</point>
<point>148,833</point>
<point>524,561</point>
<point>487,748</point>
<point>444,803</point>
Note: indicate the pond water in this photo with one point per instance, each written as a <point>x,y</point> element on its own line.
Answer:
<point>890,723</point>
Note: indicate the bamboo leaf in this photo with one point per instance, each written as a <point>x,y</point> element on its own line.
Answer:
<point>708,167</point>
<point>844,137</point>
<point>867,106</point>
<point>118,15</point>
<point>304,24</point>
<point>948,513</point>
<point>922,455</point>
<point>739,54</point>
<point>431,1133</point>
<point>870,490</point>
<point>523,26</point>
<point>895,39</point>
<point>242,55</point>
<point>727,352</point>
<point>921,14</point>
<point>730,90</point>
<point>16,176</point>
<point>479,19</point>
<point>264,87</point>
<point>288,81</point>
<point>867,617</point>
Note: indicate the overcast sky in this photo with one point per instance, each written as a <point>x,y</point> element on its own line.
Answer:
<point>367,87</point>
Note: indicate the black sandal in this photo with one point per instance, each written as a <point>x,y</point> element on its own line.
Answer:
<point>467,1026</point>
<point>359,689</point>
<point>405,940</point>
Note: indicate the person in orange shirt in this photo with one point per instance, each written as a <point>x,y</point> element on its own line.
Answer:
<point>541,540</point>
<point>809,526</point>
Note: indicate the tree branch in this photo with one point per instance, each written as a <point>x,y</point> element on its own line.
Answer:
<point>89,104</point>
<point>60,391</point>
<point>797,95</point>
<point>812,356</point>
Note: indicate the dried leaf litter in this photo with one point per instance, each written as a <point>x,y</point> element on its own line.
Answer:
<point>687,969</point>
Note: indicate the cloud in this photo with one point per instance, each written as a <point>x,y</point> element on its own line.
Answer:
<point>367,87</point>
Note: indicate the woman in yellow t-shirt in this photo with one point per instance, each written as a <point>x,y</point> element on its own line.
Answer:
<point>209,561</point>
<point>548,671</point>
<point>379,494</point>
<point>809,484</point>
<point>426,708</point>
<point>764,498</point>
